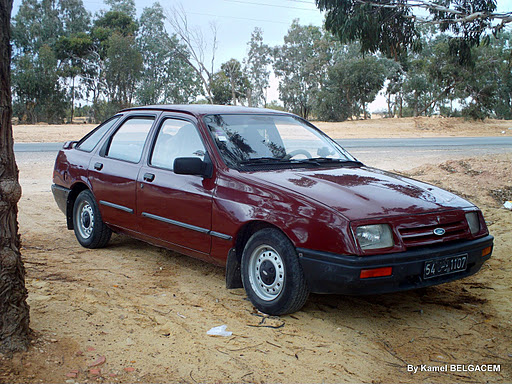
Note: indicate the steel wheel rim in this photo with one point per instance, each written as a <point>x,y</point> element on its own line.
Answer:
<point>263,263</point>
<point>85,219</point>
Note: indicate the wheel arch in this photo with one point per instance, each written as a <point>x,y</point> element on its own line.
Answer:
<point>73,194</point>
<point>234,260</point>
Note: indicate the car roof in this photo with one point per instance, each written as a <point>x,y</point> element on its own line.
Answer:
<point>205,109</point>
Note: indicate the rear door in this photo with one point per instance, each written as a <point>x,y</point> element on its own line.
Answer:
<point>175,208</point>
<point>113,171</point>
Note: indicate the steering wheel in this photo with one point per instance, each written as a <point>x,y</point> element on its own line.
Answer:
<point>298,152</point>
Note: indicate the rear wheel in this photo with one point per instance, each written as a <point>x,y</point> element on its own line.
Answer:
<point>271,273</point>
<point>90,230</point>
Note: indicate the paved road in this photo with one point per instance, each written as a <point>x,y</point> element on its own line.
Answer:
<point>434,143</point>
<point>427,142</point>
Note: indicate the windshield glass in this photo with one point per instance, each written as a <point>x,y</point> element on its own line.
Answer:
<point>245,139</point>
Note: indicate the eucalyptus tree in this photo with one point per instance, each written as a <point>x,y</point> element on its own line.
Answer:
<point>166,77</point>
<point>352,83</point>
<point>220,89</point>
<point>38,31</point>
<point>301,65</point>
<point>124,6</point>
<point>194,48</point>
<point>75,52</point>
<point>391,26</point>
<point>238,81</point>
<point>257,68</point>
<point>503,106</point>
<point>118,62</point>
<point>230,85</point>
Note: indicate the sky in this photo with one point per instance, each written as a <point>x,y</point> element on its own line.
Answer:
<point>236,19</point>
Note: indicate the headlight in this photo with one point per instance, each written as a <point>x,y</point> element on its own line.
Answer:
<point>374,236</point>
<point>473,222</point>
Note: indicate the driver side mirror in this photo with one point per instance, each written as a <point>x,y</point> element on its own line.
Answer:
<point>69,144</point>
<point>192,166</point>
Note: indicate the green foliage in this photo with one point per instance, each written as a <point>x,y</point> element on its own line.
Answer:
<point>110,23</point>
<point>166,77</point>
<point>275,106</point>
<point>257,69</point>
<point>36,24</point>
<point>38,95</point>
<point>391,27</point>
<point>353,83</point>
<point>122,6</point>
<point>48,39</point>
<point>470,31</point>
<point>61,58</point>
<point>238,82</point>
<point>221,88</point>
<point>102,110</point>
<point>123,66</point>
<point>386,29</point>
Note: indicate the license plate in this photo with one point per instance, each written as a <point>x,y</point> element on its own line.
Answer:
<point>434,268</point>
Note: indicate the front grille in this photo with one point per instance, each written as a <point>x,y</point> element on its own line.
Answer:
<point>454,225</point>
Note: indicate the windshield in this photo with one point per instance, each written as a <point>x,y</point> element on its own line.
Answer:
<point>250,139</point>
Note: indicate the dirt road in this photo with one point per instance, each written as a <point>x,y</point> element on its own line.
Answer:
<point>135,313</point>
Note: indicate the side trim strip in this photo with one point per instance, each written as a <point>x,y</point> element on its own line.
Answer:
<point>116,206</point>
<point>174,222</point>
<point>220,235</point>
<point>187,226</point>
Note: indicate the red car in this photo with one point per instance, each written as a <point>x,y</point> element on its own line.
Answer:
<point>268,196</point>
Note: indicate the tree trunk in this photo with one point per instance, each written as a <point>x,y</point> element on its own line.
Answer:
<point>401,106</point>
<point>14,311</point>
<point>233,93</point>
<point>444,93</point>
<point>72,100</point>
<point>416,102</point>
<point>388,100</point>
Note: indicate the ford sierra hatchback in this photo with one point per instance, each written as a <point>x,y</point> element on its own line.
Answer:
<point>269,197</point>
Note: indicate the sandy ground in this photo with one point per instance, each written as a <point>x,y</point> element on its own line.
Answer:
<point>407,127</point>
<point>135,313</point>
<point>415,127</point>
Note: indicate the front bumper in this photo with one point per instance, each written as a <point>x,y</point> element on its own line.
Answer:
<point>332,273</point>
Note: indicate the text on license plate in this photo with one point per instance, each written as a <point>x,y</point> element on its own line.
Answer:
<point>445,266</point>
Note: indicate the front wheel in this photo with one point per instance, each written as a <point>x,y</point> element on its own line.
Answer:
<point>271,273</point>
<point>90,230</point>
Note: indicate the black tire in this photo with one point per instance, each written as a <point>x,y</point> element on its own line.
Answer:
<point>272,274</point>
<point>90,230</point>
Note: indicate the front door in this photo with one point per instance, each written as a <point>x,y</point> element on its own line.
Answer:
<point>175,208</point>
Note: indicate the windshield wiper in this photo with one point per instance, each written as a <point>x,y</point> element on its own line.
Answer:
<point>313,161</point>
<point>319,160</point>
<point>264,160</point>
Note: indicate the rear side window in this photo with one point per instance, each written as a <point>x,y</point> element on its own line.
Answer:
<point>89,142</point>
<point>128,141</point>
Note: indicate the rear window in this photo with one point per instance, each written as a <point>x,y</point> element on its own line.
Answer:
<point>128,142</point>
<point>89,142</point>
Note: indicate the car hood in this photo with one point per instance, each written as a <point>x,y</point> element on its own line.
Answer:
<point>362,192</point>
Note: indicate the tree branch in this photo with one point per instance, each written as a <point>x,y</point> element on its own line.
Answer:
<point>464,17</point>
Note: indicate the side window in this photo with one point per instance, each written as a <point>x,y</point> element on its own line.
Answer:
<point>176,138</point>
<point>92,139</point>
<point>128,141</point>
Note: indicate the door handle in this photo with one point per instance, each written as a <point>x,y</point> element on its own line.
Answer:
<point>98,166</point>
<point>149,177</point>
